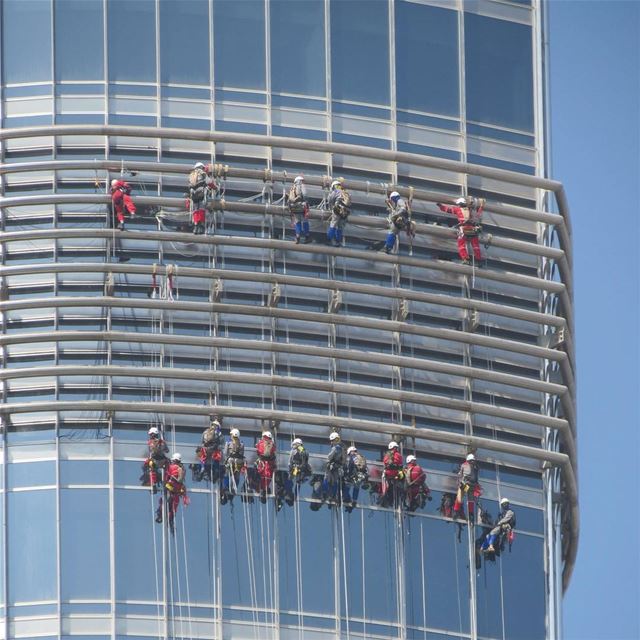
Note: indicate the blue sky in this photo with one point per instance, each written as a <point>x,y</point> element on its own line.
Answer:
<point>595,89</point>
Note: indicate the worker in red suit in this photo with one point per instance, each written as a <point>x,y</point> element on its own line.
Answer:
<point>392,476</point>
<point>201,185</point>
<point>121,201</point>
<point>469,213</point>
<point>174,489</point>
<point>417,492</point>
<point>266,463</point>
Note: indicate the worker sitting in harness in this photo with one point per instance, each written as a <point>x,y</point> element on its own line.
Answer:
<point>299,209</point>
<point>156,460</point>
<point>201,184</point>
<point>234,466</point>
<point>417,492</point>
<point>266,463</point>
<point>209,453</point>
<point>299,470</point>
<point>174,490</point>
<point>339,203</point>
<point>356,474</point>
<point>469,213</point>
<point>503,529</point>
<point>121,201</point>
<point>467,486</point>
<point>392,477</point>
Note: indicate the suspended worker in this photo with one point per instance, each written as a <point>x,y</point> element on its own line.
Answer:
<point>156,460</point>
<point>392,476</point>
<point>266,463</point>
<point>334,469</point>
<point>417,492</point>
<point>174,489</point>
<point>299,209</point>
<point>121,201</point>
<point>210,452</point>
<point>234,466</point>
<point>201,185</point>
<point>299,470</point>
<point>399,220</point>
<point>339,204</point>
<point>469,213</point>
<point>468,487</point>
<point>502,530</point>
<point>356,474</point>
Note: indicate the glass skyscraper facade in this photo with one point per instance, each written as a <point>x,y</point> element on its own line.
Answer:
<point>105,333</point>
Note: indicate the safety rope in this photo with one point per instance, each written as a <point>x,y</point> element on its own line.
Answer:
<point>247,520</point>
<point>155,560</point>
<point>364,585</point>
<point>186,571</point>
<point>344,560</point>
<point>298,554</point>
<point>455,550</point>
<point>424,587</point>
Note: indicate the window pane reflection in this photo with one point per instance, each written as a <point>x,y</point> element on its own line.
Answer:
<point>182,23</point>
<point>23,24</point>
<point>79,50</point>
<point>32,545</point>
<point>299,67</point>
<point>427,58</point>
<point>240,61</point>
<point>134,547</point>
<point>499,72</point>
<point>360,51</point>
<point>132,40</point>
<point>84,544</point>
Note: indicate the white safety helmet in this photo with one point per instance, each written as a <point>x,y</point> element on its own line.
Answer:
<point>154,431</point>
<point>351,450</point>
<point>114,182</point>
<point>198,165</point>
<point>392,445</point>
<point>176,457</point>
<point>411,458</point>
<point>461,201</point>
<point>296,442</point>
<point>504,501</point>
<point>336,184</point>
<point>267,434</point>
<point>298,180</point>
<point>334,435</point>
<point>470,457</point>
<point>394,195</point>
<point>235,433</point>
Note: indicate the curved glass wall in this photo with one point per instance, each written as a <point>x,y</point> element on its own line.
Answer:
<point>106,333</point>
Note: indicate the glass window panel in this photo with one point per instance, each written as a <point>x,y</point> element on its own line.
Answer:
<point>84,472</point>
<point>427,58</point>
<point>299,68</point>
<point>23,24</point>
<point>447,576</point>
<point>32,546</point>
<point>29,474</point>
<point>360,51</point>
<point>239,61</point>
<point>84,545</point>
<point>79,39</point>
<point>524,589</point>
<point>132,40</point>
<point>499,72</point>
<point>180,23</point>
<point>134,547</point>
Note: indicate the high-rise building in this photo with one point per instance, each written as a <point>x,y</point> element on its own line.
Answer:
<point>106,333</point>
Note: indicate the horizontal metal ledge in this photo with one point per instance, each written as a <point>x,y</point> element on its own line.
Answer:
<point>301,281</point>
<point>277,177</point>
<point>492,173</point>
<point>421,364</point>
<point>290,381</point>
<point>266,243</point>
<point>372,222</point>
<point>291,314</point>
